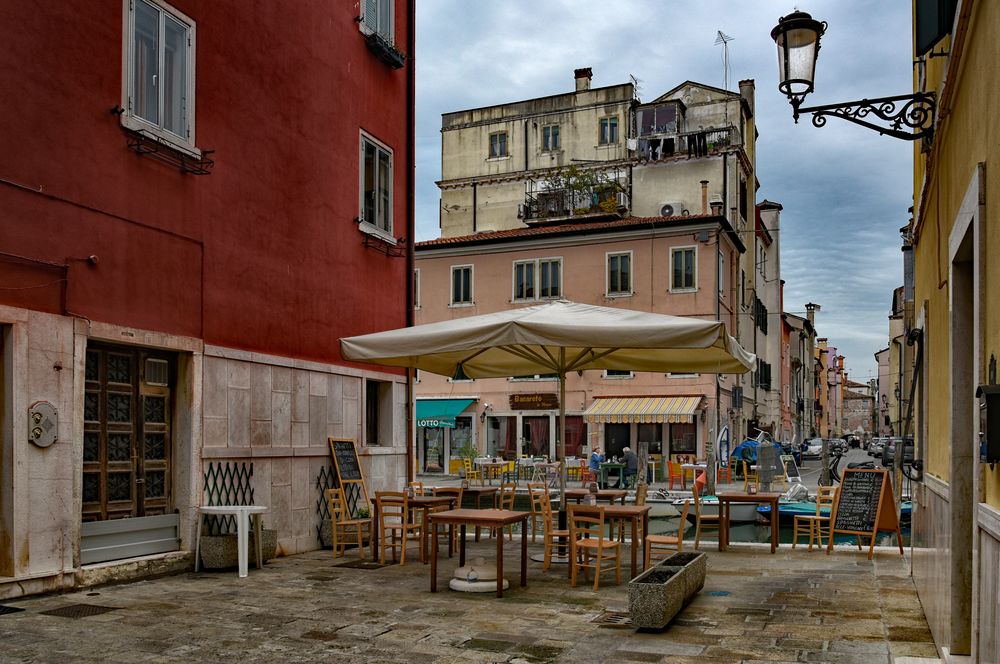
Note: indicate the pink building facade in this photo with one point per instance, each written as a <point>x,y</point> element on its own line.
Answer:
<point>682,266</point>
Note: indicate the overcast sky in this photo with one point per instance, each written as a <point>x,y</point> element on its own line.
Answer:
<point>845,189</point>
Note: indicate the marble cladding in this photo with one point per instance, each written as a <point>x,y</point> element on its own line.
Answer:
<point>988,647</point>
<point>930,541</point>
<point>279,417</point>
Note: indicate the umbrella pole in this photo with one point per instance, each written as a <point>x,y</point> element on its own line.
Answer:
<point>561,449</point>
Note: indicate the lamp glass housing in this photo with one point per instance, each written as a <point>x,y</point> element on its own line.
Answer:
<point>797,37</point>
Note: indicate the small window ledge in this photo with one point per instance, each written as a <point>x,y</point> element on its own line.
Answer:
<point>150,145</point>
<point>376,239</point>
<point>384,50</point>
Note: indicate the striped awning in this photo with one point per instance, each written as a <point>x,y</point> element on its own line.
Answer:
<point>643,409</point>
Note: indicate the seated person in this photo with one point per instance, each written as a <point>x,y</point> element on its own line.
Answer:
<point>596,459</point>
<point>631,467</point>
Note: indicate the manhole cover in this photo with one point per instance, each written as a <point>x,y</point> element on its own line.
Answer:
<point>718,593</point>
<point>613,619</point>
<point>361,564</point>
<point>4,610</point>
<point>78,611</point>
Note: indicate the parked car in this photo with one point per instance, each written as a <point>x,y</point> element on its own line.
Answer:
<point>889,451</point>
<point>788,448</point>
<point>812,448</point>
<point>837,445</point>
<point>876,447</point>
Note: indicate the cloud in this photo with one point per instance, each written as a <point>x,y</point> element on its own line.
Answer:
<point>845,189</point>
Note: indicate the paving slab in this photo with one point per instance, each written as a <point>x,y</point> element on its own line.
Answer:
<point>793,606</point>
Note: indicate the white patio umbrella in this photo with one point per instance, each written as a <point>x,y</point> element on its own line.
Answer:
<point>557,337</point>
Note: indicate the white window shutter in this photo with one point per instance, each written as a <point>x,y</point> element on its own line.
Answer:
<point>371,15</point>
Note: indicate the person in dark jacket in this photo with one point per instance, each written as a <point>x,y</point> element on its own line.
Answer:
<point>631,467</point>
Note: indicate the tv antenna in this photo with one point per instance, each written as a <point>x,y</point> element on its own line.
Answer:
<point>724,39</point>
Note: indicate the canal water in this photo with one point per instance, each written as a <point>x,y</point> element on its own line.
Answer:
<point>760,531</point>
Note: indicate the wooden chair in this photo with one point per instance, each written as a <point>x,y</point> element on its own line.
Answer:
<point>396,526</point>
<point>703,521</point>
<point>816,525</point>
<point>541,504</point>
<point>457,492</point>
<point>641,493</point>
<point>341,524</point>
<point>667,542</point>
<point>418,488</point>
<point>749,476</point>
<point>589,547</point>
<point>505,501</point>
<point>470,472</point>
<point>540,489</point>
<point>586,474</point>
<point>724,473</point>
<point>674,474</point>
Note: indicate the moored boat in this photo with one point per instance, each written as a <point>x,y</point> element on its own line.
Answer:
<point>788,510</point>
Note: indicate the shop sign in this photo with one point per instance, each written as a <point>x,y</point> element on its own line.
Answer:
<point>534,401</point>
<point>441,422</point>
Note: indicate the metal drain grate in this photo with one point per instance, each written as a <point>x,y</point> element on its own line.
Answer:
<point>78,611</point>
<point>361,564</point>
<point>4,610</point>
<point>613,619</point>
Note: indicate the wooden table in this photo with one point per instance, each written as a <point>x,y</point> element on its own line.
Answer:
<point>694,468</point>
<point>622,512</point>
<point>610,495</point>
<point>546,472</point>
<point>605,467</point>
<point>489,469</point>
<point>423,503</point>
<point>728,497</point>
<point>490,518</point>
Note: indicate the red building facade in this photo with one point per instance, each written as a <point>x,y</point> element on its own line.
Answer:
<point>197,200</point>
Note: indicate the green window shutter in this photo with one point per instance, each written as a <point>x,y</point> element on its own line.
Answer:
<point>934,19</point>
<point>371,15</point>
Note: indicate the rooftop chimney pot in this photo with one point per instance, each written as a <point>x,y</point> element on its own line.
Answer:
<point>583,77</point>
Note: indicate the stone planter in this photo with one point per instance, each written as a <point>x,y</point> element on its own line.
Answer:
<point>222,551</point>
<point>659,593</point>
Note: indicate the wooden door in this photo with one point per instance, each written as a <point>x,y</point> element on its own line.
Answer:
<point>126,440</point>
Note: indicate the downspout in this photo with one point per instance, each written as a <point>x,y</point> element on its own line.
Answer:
<point>410,216</point>
<point>526,147</point>
<point>475,205</point>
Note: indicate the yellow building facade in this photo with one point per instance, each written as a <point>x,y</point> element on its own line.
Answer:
<point>956,320</point>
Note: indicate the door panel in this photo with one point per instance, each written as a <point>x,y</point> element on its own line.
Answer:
<point>126,446</point>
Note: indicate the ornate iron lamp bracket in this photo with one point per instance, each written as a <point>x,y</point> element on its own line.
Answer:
<point>914,112</point>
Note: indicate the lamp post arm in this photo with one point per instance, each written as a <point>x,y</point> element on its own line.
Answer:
<point>902,113</point>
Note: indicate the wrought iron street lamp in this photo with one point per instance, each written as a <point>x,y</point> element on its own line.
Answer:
<point>797,37</point>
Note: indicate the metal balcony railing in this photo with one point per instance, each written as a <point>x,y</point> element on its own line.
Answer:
<point>691,144</point>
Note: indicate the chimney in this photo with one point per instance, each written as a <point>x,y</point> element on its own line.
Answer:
<point>811,310</point>
<point>746,91</point>
<point>704,196</point>
<point>583,77</point>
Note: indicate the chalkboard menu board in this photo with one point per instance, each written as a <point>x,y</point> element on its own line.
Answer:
<point>345,456</point>
<point>857,510</point>
<point>791,470</point>
<point>864,507</point>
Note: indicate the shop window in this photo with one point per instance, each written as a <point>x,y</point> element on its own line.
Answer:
<point>683,438</point>
<point>653,435</point>
<point>501,437</point>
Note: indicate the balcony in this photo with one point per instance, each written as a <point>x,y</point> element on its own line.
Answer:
<point>575,194</point>
<point>691,144</point>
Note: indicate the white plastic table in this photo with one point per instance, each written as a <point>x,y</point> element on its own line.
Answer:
<point>243,513</point>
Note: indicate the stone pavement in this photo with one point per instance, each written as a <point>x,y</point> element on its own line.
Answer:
<point>794,606</point>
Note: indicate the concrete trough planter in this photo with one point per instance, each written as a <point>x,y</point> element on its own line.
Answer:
<point>659,593</point>
<point>222,551</point>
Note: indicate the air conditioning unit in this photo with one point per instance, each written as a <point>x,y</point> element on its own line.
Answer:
<point>674,209</point>
<point>622,199</point>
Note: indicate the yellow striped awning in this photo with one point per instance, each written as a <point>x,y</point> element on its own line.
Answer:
<point>643,409</point>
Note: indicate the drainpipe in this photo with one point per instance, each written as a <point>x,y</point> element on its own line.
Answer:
<point>411,16</point>
<point>525,147</point>
<point>474,206</point>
